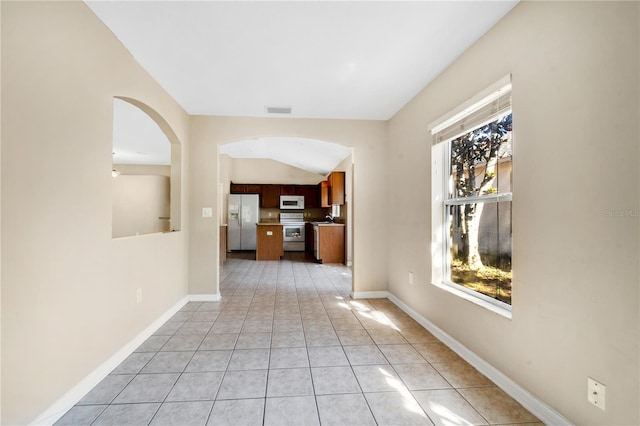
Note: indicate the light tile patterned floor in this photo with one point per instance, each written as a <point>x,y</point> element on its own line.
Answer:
<point>287,346</point>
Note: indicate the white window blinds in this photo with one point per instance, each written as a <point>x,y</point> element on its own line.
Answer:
<point>489,105</point>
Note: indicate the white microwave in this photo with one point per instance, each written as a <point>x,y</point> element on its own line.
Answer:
<point>291,202</point>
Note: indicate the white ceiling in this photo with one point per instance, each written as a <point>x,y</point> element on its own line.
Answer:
<point>325,59</point>
<point>137,139</point>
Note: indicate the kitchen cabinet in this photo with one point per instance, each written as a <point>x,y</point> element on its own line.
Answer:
<point>270,193</point>
<point>291,190</point>
<point>336,184</point>
<point>287,190</point>
<point>270,197</point>
<point>242,188</point>
<point>236,188</point>
<point>328,243</point>
<point>308,237</point>
<point>332,190</point>
<point>324,194</point>
<point>311,199</point>
<point>269,239</point>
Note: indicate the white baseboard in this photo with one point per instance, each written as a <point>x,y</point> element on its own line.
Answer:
<point>369,294</point>
<point>204,297</point>
<point>75,394</point>
<point>538,408</point>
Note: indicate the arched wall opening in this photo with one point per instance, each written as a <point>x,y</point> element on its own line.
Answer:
<point>146,171</point>
<point>286,160</point>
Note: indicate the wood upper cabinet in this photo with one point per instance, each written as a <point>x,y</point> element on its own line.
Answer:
<point>336,183</point>
<point>237,188</point>
<point>270,198</point>
<point>253,189</point>
<point>270,193</point>
<point>311,199</point>
<point>287,190</point>
<point>291,189</point>
<point>324,194</point>
<point>242,188</point>
<point>332,190</point>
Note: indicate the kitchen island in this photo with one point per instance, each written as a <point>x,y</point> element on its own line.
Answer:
<point>269,242</point>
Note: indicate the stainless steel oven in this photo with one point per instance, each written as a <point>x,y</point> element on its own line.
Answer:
<point>293,231</point>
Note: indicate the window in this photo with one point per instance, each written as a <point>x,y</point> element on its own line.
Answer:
<point>472,190</point>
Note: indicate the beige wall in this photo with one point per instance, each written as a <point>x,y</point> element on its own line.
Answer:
<point>259,170</point>
<point>143,169</point>
<point>140,196</point>
<point>575,113</point>
<point>68,289</point>
<point>140,205</point>
<point>224,182</point>
<point>369,188</point>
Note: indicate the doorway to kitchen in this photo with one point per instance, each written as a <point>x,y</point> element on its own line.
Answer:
<point>287,164</point>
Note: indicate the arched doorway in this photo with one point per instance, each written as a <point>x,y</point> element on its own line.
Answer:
<point>286,160</point>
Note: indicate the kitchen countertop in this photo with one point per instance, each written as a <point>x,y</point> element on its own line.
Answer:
<point>327,224</point>
<point>268,223</point>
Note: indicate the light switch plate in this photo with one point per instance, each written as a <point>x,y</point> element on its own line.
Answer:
<point>207,212</point>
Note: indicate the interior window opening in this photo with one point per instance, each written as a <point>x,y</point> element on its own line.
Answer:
<point>143,179</point>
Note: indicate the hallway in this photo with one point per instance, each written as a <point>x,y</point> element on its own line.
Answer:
<point>287,346</point>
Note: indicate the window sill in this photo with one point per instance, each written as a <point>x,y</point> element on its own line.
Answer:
<point>496,309</point>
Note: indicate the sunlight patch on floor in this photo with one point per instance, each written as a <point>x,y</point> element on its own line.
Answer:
<point>380,318</point>
<point>359,306</point>
<point>446,416</point>
<point>408,401</point>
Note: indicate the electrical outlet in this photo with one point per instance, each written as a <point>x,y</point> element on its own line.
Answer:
<point>139,295</point>
<point>596,393</point>
<point>410,278</point>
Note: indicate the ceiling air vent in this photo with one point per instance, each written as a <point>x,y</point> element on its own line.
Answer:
<point>278,109</point>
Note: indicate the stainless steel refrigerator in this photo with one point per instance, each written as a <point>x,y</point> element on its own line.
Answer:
<point>244,213</point>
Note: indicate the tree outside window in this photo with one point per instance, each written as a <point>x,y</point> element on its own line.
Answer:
<point>479,209</point>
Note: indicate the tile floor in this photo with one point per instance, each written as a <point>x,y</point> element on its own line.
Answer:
<point>287,346</point>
